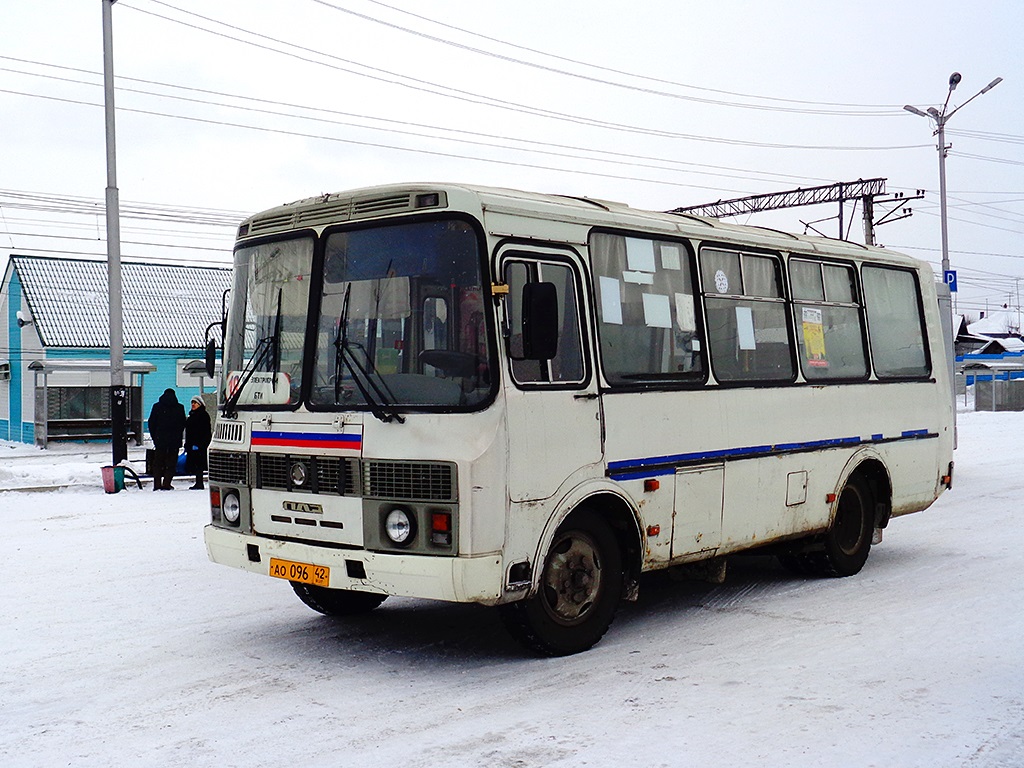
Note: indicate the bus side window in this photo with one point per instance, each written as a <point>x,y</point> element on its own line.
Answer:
<point>747,329</point>
<point>895,322</point>
<point>648,322</point>
<point>567,365</point>
<point>827,318</point>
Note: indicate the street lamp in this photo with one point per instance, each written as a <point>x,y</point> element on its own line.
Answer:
<point>941,118</point>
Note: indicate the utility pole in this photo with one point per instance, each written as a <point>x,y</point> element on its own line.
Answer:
<point>869,219</point>
<point>118,390</point>
<point>941,118</point>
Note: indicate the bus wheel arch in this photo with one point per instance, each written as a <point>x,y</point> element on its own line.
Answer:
<point>874,473</point>
<point>862,502</point>
<point>625,525</point>
<point>586,566</point>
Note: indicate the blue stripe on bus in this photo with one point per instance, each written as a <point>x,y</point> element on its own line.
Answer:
<point>657,466</point>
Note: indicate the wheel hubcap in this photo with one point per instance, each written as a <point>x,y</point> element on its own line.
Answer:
<point>572,578</point>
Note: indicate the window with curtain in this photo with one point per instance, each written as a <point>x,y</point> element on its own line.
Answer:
<point>895,323</point>
<point>748,334</point>
<point>827,318</point>
<point>647,316</point>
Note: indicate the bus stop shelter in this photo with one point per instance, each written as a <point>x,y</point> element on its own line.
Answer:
<point>83,412</point>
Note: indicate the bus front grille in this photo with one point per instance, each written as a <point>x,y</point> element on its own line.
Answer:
<point>228,467</point>
<point>322,474</point>
<point>409,480</point>
<point>335,475</point>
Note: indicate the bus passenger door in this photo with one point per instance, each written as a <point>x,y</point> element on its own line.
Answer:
<point>697,514</point>
<point>552,403</point>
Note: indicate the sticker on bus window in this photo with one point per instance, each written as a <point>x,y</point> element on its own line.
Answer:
<point>814,337</point>
<point>745,328</point>
<point>685,317</point>
<point>670,257</point>
<point>640,254</point>
<point>639,278</point>
<point>611,305</point>
<point>657,311</point>
<point>721,282</point>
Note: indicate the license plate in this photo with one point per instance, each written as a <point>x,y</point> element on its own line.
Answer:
<point>317,575</point>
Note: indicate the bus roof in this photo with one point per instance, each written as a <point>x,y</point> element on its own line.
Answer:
<point>394,199</point>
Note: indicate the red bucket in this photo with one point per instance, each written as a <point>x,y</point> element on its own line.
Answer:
<point>113,479</point>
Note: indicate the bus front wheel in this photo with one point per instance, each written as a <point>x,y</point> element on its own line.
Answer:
<point>579,592</point>
<point>336,602</point>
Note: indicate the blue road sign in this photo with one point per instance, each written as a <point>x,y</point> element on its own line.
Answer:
<point>949,276</point>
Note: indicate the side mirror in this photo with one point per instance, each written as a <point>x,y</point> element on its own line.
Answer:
<point>540,321</point>
<point>211,359</point>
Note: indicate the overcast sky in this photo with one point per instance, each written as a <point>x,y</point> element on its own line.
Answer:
<point>226,108</point>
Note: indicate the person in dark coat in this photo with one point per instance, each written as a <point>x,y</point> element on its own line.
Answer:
<point>166,427</point>
<point>197,438</point>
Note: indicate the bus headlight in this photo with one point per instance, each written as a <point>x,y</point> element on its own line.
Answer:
<point>399,527</point>
<point>231,507</point>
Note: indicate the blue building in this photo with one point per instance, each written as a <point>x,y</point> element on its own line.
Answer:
<point>55,349</point>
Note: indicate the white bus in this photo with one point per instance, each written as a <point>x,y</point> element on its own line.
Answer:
<point>526,401</point>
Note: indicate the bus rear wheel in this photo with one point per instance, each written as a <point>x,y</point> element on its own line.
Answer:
<point>844,548</point>
<point>336,602</point>
<point>579,592</point>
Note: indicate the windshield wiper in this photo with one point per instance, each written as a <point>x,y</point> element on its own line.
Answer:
<point>269,347</point>
<point>374,392</point>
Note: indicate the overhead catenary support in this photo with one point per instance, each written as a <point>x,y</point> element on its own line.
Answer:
<point>862,189</point>
<point>828,193</point>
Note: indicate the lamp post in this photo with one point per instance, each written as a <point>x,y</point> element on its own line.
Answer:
<point>118,391</point>
<point>941,118</point>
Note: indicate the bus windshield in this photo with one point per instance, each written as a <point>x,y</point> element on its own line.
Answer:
<point>402,320</point>
<point>263,345</point>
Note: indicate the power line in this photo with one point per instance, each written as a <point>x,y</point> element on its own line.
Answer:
<point>1000,160</point>
<point>479,99</point>
<point>895,107</point>
<point>36,201</point>
<point>975,223</point>
<point>125,242</point>
<point>855,110</point>
<point>1005,138</point>
<point>630,159</point>
<point>376,145</point>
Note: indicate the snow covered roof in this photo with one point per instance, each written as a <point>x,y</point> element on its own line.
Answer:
<point>164,305</point>
<point>995,324</point>
<point>998,346</point>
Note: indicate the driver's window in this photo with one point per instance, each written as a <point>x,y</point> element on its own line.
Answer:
<point>567,367</point>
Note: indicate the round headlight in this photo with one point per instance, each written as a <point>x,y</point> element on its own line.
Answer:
<point>231,507</point>
<point>298,473</point>
<point>398,525</point>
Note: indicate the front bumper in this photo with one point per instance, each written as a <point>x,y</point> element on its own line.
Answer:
<point>455,579</point>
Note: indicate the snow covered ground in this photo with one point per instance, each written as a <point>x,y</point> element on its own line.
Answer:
<point>122,645</point>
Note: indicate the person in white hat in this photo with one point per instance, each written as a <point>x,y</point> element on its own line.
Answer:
<point>197,438</point>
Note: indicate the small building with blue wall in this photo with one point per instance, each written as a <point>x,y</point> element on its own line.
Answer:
<point>55,311</point>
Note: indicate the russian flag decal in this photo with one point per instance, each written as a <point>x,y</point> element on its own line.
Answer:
<point>334,440</point>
